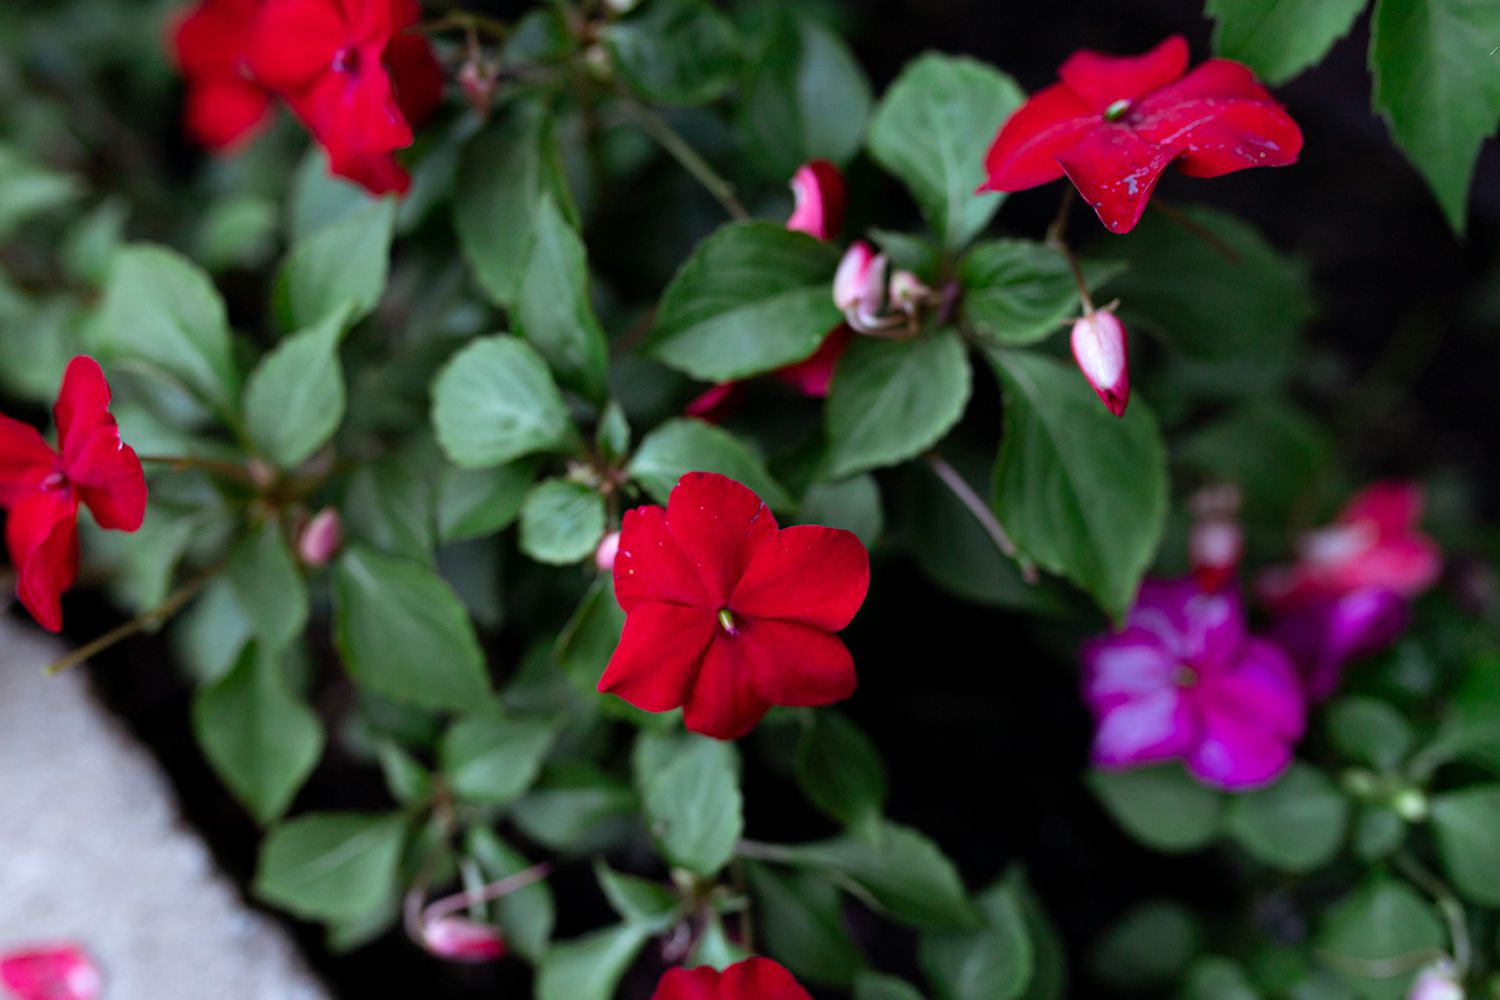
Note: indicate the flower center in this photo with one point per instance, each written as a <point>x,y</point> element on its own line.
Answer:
<point>1185,676</point>
<point>56,481</point>
<point>346,60</point>
<point>726,621</point>
<point>1117,110</point>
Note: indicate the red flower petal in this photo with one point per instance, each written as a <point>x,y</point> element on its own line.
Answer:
<point>813,376</point>
<point>222,114</point>
<point>1220,120</point>
<point>295,42</point>
<point>724,703</point>
<point>1025,152</point>
<point>417,76</point>
<point>210,40</point>
<point>377,173</point>
<point>714,404</point>
<point>42,535</point>
<point>1100,79</point>
<point>688,984</point>
<point>354,114</point>
<point>821,197</point>
<point>51,972</point>
<point>25,460</point>
<point>719,525</point>
<point>656,662</point>
<point>82,402</point>
<point>651,566</point>
<point>807,573</point>
<point>109,478</point>
<point>759,979</point>
<point>1394,507</point>
<point>792,664</point>
<point>1115,170</point>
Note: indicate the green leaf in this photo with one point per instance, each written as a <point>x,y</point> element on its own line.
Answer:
<point>1017,292</point>
<point>991,963</point>
<point>403,633</point>
<point>874,986</point>
<point>799,918</point>
<point>261,739</point>
<point>932,130</point>
<point>473,503</point>
<point>852,504</point>
<point>28,189</point>
<point>1465,823</point>
<point>1280,38</point>
<point>1435,83</point>
<point>405,777</point>
<point>586,643</point>
<point>505,171</point>
<point>494,760</point>
<point>1380,925</point>
<point>1081,492</point>
<point>1269,449</point>
<point>679,52</point>
<point>294,399</point>
<point>341,266</point>
<point>1294,825</point>
<point>1049,960</point>
<point>898,870</point>
<point>1378,833</point>
<point>807,99</point>
<point>574,810</point>
<point>390,502</point>
<point>495,402</point>
<point>681,446</point>
<point>891,400</point>
<point>269,586</point>
<point>590,967</point>
<point>638,900</point>
<point>161,311</point>
<point>1201,302</point>
<point>526,915</point>
<point>753,297</point>
<point>552,309</point>
<point>840,770</point>
<point>561,522</point>
<point>1369,731</point>
<point>1218,979</point>
<point>693,805</point>
<point>1160,806</point>
<point>1148,948</point>
<point>331,866</point>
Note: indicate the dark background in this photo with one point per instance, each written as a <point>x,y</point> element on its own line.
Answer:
<point>981,728</point>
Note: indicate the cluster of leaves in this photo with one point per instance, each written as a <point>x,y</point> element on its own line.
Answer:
<point>480,419</point>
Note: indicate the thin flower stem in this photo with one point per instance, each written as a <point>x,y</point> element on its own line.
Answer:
<point>140,623</point>
<point>493,891</point>
<point>982,513</point>
<point>466,21</point>
<point>184,462</point>
<point>1447,904</point>
<point>1195,228</point>
<point>687,157</point>
<point>1057,240</point>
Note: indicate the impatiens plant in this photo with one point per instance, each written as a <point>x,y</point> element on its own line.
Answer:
<point>584,470</point>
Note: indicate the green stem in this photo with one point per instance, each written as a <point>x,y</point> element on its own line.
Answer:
<point>140,623</point>
<point>687,157</point>
<point>181,463</point>
<point>965,494</point>
<point>1447,904</point>
<point>466,21</point>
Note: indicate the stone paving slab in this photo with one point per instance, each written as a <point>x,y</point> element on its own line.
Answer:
<point>92,849</point>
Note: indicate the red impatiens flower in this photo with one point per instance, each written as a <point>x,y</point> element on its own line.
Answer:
<point>50,972</point>
<point>1114,123</point>
<point>752,979</point>
<point>356,82</point>
<point>41,488</point>
<point>727,614</point>
<point>225,106</point>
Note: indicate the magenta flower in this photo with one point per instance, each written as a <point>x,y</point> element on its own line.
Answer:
<point>62,971</point>
<point>1185,681</point>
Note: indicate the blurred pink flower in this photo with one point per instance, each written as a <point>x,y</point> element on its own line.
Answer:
<point>61,971</point>
<point>461,940</point>
<point>1185,681</point>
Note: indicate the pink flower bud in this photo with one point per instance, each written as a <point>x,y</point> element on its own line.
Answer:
<point>859,285</point>
<point>819,189</point>
<point>907,292</point>
<point>322,538</point>
<point>479,83</point>
<point>50,972</point>
<point>461,940</point>
<point>1214,550</point>
<point>1099,349</point>
<point>604,555</point>
<point>1436,983</point>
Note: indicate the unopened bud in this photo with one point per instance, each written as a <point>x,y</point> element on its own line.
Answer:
<point>1099,348</point>
<point>907,292</point>
<point>859,287</point>
<point>322,538</point>
<point>609,548</point>
<point>820,196</point>
<point>460,940</point>
<point>1214,550</point>
<point>1438,981</point>
<point>479,83</point>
